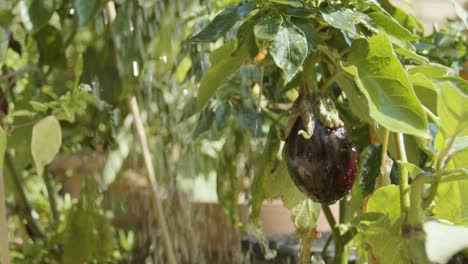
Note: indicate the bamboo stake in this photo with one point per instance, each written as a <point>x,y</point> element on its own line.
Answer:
<point>4,252</point>
<point>157,205</point>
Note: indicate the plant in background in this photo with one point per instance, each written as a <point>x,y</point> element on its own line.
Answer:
<point>404,113</point>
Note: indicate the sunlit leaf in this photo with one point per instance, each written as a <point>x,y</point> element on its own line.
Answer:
<point>345,20</point>
<point>384,82</point>
<point>294,3</point>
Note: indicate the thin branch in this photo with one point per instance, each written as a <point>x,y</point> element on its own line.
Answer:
<point>4,252</point>
<point>432,116</point>
<point>20,71</point>
<point>51,196</point>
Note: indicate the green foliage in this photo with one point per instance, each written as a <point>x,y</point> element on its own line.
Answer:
<point>369,168</point>
<point>46,141</point>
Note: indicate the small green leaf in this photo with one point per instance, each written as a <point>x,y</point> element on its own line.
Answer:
<point>38,106</point>
<point>204,122</point>
<point>413,170</point>
<point>293,3</point>
<point>305,215</point>
<point>86,10</point>
<point>36,13</point>
<point>224,21</point>
<point>45,142</point>
<point>384,82</point>
<point>289,49</point>
<point>345,20</point>
<point>369,168</point>
<point>267,27</point>
<point>425,90</point>
<point>439,249</point>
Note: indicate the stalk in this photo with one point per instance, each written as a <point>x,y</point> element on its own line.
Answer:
<point>403,177</point>
<point>305,254</point>
<point>340,258</point>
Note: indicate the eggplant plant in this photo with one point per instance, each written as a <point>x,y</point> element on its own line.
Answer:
<point>345,94</point>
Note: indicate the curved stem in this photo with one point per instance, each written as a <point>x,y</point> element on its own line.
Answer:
<point>431,115</point>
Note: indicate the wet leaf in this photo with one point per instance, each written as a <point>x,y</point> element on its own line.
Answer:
<point>267,27</point>
<point>369,168</point>
<point>223,22</point>
<point>384,82</point>
<point>45,142</point>
<point>289,49</point>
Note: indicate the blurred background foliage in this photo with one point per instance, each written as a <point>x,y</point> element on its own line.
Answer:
<point>69,59</point>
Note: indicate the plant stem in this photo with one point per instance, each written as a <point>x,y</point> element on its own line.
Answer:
<point>309,76</point>
<point>381,180</point>
<point>403,177</point>
<point>51,195</point>
<point>4,252</point>
<point>305,254</point>
<point>340,258</point>
<point>151,178</point>
<point>26,208</point>
<point>325,247</point>
<point>431,115</point>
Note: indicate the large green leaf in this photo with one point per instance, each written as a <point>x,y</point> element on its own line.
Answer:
<point>432,70</point>
<point>224,21</point>
<point>51,48</point>
<point>425,90</point>
<point>444,240</point>
<point>267,27</point>
<point>289,49</point>
<point>36,13</point>
<point>345,20</point>
<point>86,10</point>
<point>384,82</point>
<point>451,201</point>
<point>406,20</point>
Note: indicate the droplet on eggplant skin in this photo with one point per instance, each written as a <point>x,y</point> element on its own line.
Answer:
<point>323,166</point>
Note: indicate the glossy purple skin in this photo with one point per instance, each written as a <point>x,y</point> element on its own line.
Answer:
<point>324,166</point>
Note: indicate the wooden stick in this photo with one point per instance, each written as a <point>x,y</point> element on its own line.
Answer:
<point>4,252</point>
<point>157,205</point>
